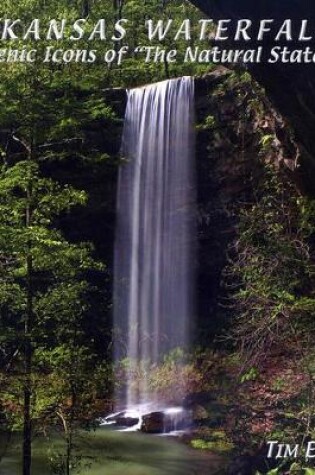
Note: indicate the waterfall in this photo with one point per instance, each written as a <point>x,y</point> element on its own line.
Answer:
<point>154,278</point>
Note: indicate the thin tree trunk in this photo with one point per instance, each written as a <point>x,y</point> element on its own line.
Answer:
<point>69,452</point>
<point>28,350</point>
<point>27,429</point>
<point>85,8</point>
<point>67,427</point>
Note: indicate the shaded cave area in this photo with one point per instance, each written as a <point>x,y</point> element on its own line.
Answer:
<point>290,87</point>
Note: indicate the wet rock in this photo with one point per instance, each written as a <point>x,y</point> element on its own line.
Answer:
<point>160,422</point>
<point>153,423</point>
<point>126,421</point>
<point>122,419</point>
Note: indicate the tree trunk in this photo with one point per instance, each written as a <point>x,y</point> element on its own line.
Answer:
<point>85,8</point>
<point>27,432</point>
<point>27,429</point>
<point>69,452</point>
<point>28,350</point>
<point>68,437</point>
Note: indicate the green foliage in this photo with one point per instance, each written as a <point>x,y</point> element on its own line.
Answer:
<point>209,123</point>
<point>218,443</point>
<point>175,356</point>
<point>270,281</point>
<point>201,444</point>
<point>250,375</point>
<point>133,70</point>
<point>274,265</point>
<point>266,140</point>
<point>58,287</point>
<point>295,469</point>
<point>47,358</point>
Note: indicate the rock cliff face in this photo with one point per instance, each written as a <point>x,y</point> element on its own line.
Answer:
<point>290,87</point>
<point>238,132</point>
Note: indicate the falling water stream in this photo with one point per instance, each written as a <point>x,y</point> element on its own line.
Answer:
<point>154,281</point>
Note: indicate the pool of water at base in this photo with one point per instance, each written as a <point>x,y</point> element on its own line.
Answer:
<point>107,452</point>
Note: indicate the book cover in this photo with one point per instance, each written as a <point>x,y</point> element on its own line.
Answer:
<point>157,224</point>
